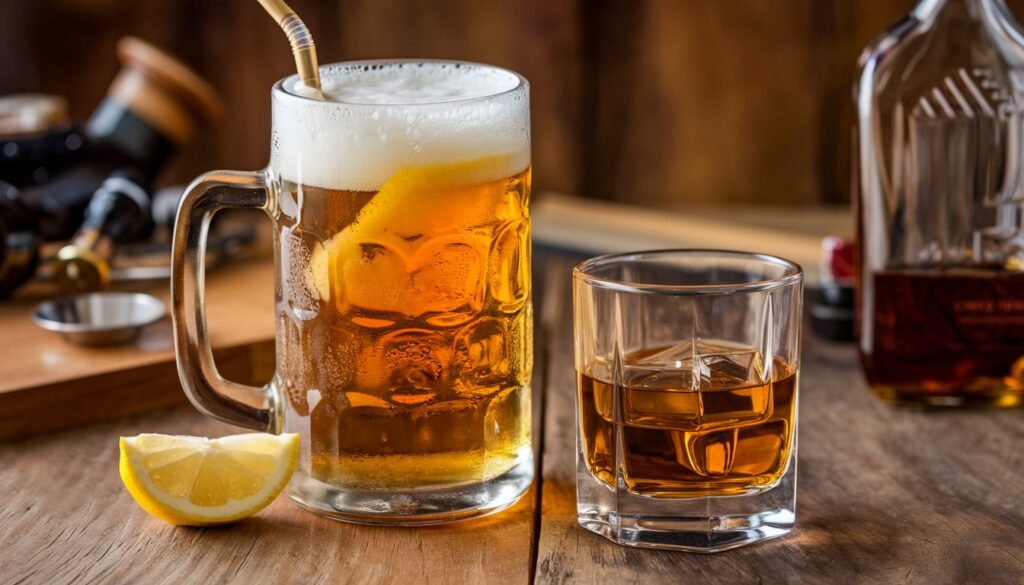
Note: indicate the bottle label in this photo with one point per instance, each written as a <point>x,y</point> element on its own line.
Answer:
<point>940,309</point>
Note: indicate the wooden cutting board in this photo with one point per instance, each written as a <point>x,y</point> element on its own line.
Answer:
<point>47,383</point>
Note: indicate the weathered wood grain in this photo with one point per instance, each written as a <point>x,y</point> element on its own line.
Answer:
<point>884,496</point>
<point>538,38</point>
<point>725,102</point>
<point>654,102</point>
<point>243,52</point>
<point>66,518</point>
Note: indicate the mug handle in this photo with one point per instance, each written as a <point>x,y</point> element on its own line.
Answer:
<point>239,404</point>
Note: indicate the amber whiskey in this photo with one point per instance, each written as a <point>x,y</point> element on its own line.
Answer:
<point>946,336</point>
<point>668,435</point>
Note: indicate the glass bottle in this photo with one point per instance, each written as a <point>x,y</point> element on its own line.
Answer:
<point>939,197</point>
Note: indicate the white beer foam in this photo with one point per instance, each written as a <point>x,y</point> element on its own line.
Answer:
<point>379,118</point>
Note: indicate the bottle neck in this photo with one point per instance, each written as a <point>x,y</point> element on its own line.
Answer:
<point>964,20</point>
<point>927,9</point>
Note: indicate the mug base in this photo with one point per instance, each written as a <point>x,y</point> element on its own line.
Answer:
<point>415,507</point>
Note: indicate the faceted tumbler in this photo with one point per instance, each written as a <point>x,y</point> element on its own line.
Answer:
<point>687,367</point>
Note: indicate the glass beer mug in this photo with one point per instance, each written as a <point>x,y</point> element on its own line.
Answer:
<point>404,320</point>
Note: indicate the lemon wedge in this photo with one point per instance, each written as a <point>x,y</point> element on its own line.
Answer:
<point>195,481</point>
<point>412,249</point>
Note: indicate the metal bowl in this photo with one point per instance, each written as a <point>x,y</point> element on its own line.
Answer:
<point>100,318</point>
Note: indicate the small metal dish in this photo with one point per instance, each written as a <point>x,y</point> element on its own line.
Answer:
<point>100,318</point>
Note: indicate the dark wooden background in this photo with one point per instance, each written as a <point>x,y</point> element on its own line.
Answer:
<point>661,102</point>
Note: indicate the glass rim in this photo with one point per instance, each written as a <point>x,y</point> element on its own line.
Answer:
<point>279,88</point>
<point>794,273</point>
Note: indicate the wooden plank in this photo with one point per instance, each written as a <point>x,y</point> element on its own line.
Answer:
<point>581,224</point>
<point>47,384</point>
<point>243,52</point>
<point>654,102</point>
<point>724,102</point>
<point>34,410</point>
<point>537,38</point>
<point>884,496</point>
<point>67,518</point>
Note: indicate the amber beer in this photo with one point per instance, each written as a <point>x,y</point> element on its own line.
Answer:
<point>404,318</point>
<point>405,329</point>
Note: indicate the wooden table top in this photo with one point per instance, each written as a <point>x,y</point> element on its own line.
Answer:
<point>885,496</point>
<point>72,384</point>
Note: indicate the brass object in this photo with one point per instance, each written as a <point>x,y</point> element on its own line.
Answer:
<point>81,268</point>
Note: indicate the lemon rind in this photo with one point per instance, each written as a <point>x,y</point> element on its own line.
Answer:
<point>183,512</point>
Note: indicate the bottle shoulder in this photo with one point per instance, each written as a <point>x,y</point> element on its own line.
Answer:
<point>915,55</point>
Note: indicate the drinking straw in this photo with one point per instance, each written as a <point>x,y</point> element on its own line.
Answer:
<point>298,35</point>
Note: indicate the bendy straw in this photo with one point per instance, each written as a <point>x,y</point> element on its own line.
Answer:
<point>301,40</point>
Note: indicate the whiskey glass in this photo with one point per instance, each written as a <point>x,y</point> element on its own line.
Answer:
<point>687,366</point>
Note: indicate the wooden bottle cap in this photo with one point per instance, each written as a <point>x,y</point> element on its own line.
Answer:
<point>163,91</point>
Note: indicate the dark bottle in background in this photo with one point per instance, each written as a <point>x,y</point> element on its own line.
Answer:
<point>37,139</point>
<point>37,142</point>
<point>153,107</point>
<point>118,212</point>
<point>19,243</point>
